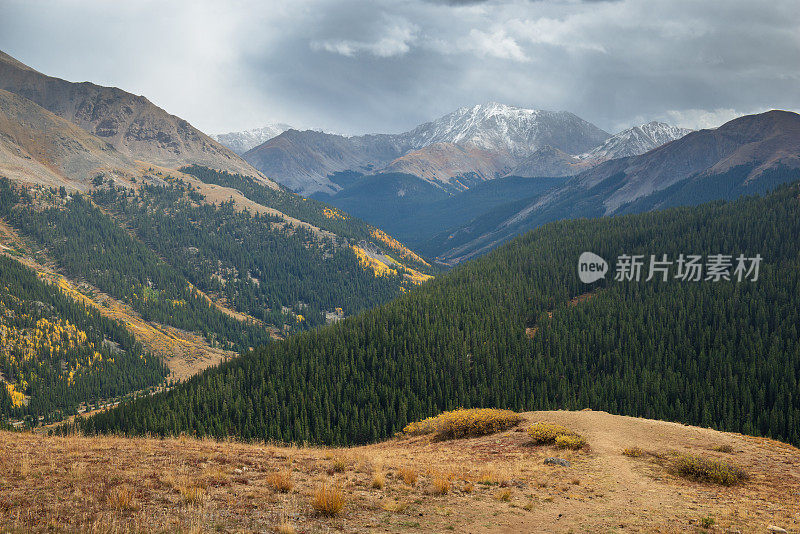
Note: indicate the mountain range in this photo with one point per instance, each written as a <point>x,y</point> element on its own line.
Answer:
<point>751,154</point>
<point>482,141</point>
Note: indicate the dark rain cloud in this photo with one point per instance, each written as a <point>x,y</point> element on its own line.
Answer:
<point>373,65</point>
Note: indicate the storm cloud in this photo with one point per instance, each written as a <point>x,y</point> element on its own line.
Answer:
<point>355,66</point>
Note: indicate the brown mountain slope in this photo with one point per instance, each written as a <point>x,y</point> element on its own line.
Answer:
<point>443,163</point>
<point>37,146</point>
<point>303,161</point>
<point>131,124</point>
<point>496,483</point>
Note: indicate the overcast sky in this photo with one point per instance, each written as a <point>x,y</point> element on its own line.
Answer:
<point>355,66</point>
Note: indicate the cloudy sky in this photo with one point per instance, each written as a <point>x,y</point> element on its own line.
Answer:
<point>355,66</point>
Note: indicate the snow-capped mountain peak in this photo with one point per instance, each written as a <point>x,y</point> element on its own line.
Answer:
<point>635,141</point>
<point>519,131</point>
<point>241,142</point>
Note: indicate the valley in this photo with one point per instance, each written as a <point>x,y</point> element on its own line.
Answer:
<point>194,264</point>
<point>445,266</point>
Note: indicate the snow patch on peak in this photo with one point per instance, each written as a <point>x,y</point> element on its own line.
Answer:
<point>241,142</point>
<point>518,131</point>
<point>635,141</point>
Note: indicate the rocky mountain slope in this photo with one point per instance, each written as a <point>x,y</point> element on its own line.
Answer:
<point>133,125</point>
<point>241,142</point>
<point>495,484</point>
<point>747,155</point>
<point>763,141</point>
<point>37,146</point>
<point>383,198</point>
<point>549,161</point>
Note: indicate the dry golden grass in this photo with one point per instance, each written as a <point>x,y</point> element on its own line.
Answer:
<point>121,499</point>
<point>192,495</point>
<point>396,507</point>
<point>493,476</point>
<point>407,475</point>
<point>328,500</point>
<point>339,464</point>
<point>68,483</point>
<point>24,466</point>
<point>286,528</point>
<point>280,481</point>
<point>441,484</point>
<point>378,480</point>
<point>728,449</point>
<point>216,477</point>
<point>463,423</point>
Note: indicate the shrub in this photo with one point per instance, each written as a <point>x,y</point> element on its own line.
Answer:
<point>328,501</point>
<point>724,448</point>
<point>633,452</point>
<point>707,522</point>
<point>552,433</point>
<point>503,495</point>
<point>570,442</point>
<point>708,470</point>
<point>464,423</point>
<point>339,464</point>
<point>280,481</point>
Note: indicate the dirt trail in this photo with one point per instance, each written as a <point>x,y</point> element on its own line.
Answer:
<point>638,495</point>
